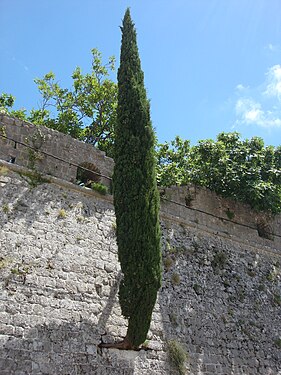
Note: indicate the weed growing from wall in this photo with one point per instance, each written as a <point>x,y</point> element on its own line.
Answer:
<point>168,262</point>
<point>188,199</point>
<point>62,214</point>
<point>219,261</point>
<point>277,342</point>
<point>277,299</point>
<point>177,356</point>
<point>34,156</point>
<point>173,319</point>
<point>3,132</point>
<point>175,278</point>
<point>34,178</point>
<point>3,170</point>
<point>100,188</point>
<point>272,275</point>
<point>4,262</point>
<point>230,214</point>
<point>5,208</point>
<point>196,288</point>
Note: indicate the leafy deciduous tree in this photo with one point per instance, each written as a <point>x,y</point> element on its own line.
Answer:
<point>87,111</point>
<point>243,170</point>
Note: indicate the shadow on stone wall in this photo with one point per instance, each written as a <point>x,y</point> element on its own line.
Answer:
<point>107,311</point>
<point>68,348</point>
<point>59,281</point>
<point>63,347</point>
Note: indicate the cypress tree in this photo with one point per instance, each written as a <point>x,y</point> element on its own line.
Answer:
<point>136,197</point>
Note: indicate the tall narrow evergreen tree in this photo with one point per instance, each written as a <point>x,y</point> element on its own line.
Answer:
<point>136,197</point>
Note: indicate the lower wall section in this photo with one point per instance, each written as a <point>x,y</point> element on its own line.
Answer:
<point>59,274</point>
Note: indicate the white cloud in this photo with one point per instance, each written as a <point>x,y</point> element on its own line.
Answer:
<point>273,87</point>
<point>251,112</point>
<point>240,87</point>
<point>261,106</point>
<point>272,47</point>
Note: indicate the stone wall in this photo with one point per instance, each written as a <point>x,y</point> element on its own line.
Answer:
<point>59,273</point>
<point>49,151</point>
<point>204,209</point>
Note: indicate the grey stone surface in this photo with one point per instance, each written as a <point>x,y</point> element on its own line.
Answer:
<point>51,152</point>
<point>59,274</point>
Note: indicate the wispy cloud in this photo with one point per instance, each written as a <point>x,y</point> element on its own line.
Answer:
<point>241,87</point>
<point>272,47</point>
<point>251,112</point>
<point>273,88</point>
<point>261,106</point>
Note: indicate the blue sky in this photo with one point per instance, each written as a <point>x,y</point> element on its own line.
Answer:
<point>209,65</point>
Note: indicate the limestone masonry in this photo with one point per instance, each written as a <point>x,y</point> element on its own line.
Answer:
<point>49,151</point>
<point>221,293</point>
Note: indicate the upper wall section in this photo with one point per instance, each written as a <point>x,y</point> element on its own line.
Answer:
<point>49,151</point>
<point>207,211</point>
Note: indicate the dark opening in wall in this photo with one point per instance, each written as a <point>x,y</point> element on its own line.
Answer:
<point>264,229</point>
<point>88,173</point>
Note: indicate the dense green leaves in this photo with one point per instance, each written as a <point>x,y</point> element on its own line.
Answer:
<point>136,197</point>
<point>244,170</point>
<point>172,162</point>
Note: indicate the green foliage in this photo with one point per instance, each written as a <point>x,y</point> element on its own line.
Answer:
<point>6,101</point>
<point>175,278</point>
<point>136,197</point>
<point>34,178</point>
<point>219,260</point>
<point>172,162</point>
<point>5,208</point>
<point>62,213</point>
<point>277,342</point>
<point>33,156</point>
<point>196,288</point>
<point>102,189</point>
<point>243,170</point>
<point>87,111</point>
<point>173,318</point>
<point>272,275</point>
<point>277,299</point>
<point>3,170</point>
<point>4,262</point>
<point>230,214</point>
<point>168,262</point>
<point>177,356</point>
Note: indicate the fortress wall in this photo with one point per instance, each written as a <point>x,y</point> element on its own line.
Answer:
<point>49,152</point>
<point>59,272</point>
<point>59,275</point>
